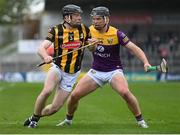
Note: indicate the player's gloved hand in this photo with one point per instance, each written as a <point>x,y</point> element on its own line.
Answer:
<point>146,65</point>
<point>48,59</point>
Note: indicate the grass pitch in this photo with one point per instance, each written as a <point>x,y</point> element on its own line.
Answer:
<point>102,112</point>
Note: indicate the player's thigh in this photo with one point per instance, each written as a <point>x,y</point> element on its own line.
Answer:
<point>85,86</point>
<point>119,83</point>
<point>52,79</point>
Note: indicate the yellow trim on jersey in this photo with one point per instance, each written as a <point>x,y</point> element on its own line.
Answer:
<point>64,59</point>
<point>76,35</point>
<point>64,51</point>
<point>108,38</point>
<point>56,41</point>
<point>84,31</point>
<point>75,54</point>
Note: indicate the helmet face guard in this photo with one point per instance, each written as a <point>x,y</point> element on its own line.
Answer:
<point>100,11</point>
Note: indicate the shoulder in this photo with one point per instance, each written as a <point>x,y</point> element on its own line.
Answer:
<point>113,28</point>
<point>92,28</point>
<point>123,39</point>
<point>121,34</point>
<point>58,26</point>
<point>52,28</point>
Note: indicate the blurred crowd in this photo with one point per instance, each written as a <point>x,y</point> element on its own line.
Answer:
<point>157,45</point>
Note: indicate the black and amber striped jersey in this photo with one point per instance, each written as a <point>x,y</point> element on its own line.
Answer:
<point>66,40</point>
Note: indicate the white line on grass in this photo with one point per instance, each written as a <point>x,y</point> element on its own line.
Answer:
<point>9,123</point>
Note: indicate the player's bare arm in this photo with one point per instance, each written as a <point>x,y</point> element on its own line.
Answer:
<point>43,53</point>
<point>139,53</point>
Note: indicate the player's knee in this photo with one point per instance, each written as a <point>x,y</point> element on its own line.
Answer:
<point>127,96</point>
<point>124,92</point>
<point>45,93</point>
<point>74,97</point>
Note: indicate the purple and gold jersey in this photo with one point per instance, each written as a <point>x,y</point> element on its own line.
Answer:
<point>106,57</point>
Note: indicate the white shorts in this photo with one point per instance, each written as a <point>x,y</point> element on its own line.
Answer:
<point>103,77</point>
<point>67,80</point>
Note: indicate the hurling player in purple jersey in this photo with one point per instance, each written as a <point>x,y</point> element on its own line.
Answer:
<point>107,66</point>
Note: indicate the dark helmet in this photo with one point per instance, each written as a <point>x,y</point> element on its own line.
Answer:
<point>70,9</point>
<point>101,11</point>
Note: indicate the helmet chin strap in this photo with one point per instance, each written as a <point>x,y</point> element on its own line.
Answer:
<point>69,21</point>
<point>106,23</point>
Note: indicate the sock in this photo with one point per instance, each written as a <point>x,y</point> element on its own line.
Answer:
<point>69,117</point>
<point>139,117</point>
<point>35,117</point>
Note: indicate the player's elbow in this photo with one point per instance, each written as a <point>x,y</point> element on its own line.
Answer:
<point>40,51</point>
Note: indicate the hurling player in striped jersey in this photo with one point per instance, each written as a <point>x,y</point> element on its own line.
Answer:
<point>67,36</point>
<point>107,66</point>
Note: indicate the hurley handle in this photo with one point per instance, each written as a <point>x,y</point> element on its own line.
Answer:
<point>152,68</point>
<point>91,44</point>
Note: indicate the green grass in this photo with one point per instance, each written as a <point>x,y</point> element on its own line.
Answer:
<point>101,112</point>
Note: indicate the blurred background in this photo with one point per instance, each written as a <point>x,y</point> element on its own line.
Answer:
<point>154,25</point>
